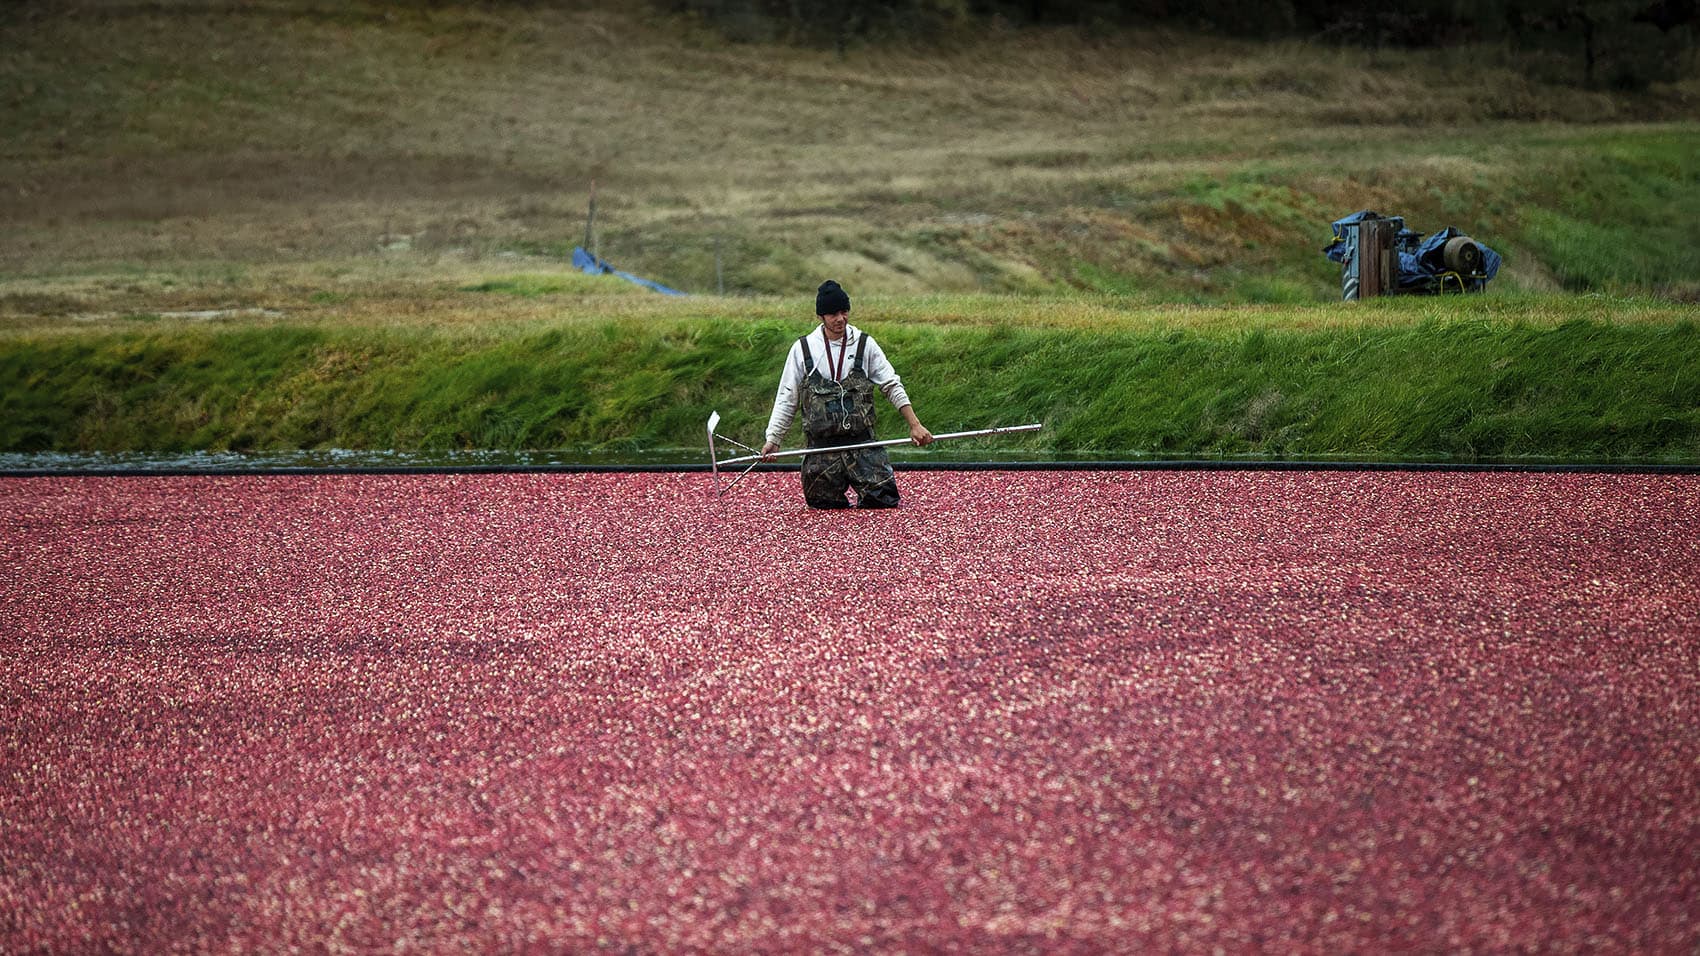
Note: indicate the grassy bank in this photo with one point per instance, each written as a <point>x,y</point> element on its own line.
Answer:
<point>1476,379</point>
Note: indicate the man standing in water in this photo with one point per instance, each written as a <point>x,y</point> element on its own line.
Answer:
<point>831,375</point>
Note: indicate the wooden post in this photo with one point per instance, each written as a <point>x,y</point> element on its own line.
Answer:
<point>1375,258</point>
<point>590,227</point>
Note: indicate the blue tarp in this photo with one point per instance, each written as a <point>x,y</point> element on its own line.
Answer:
<point>591,265</point>
<point>1428,261</point>
<point>1422,265</point>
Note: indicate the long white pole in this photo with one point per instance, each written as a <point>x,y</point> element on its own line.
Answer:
<point>877,444</point>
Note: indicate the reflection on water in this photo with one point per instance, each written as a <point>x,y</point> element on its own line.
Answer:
<point>558,460</point>
<point>696,459</point>
<point>339,459</point>
<point>343,459</point>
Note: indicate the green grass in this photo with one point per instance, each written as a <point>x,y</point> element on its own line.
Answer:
<point>1621,214</point>
<point>1539,378</point>
<point>533,286</point>
<point>1172,167</point>
<point>348,227</point>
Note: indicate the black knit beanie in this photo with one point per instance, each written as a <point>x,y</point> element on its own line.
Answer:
<point>831,298</point>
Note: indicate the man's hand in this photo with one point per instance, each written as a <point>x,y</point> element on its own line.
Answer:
<point>917,432</point>
<point>769,448</point>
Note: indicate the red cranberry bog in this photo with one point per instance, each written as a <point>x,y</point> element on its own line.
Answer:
<point>1031,711</point>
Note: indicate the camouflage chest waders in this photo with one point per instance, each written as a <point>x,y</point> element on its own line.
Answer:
<point>842,413</point>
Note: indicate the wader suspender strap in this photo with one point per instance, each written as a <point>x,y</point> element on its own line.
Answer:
<point>837,373</point>
<point>809,358</point>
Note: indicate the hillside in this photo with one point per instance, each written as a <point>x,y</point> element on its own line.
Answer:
<point>201,141</point>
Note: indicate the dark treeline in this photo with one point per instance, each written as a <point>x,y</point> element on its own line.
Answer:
<point>1619,43</point>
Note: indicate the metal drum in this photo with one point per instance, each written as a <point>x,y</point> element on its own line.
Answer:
<point>1462,255</point>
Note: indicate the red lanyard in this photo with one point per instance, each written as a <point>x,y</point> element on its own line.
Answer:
<point>838,373</point>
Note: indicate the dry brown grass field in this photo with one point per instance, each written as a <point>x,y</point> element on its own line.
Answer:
<point>181,153</point>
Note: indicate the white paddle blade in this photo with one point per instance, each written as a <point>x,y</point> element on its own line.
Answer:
<point>713,465</point>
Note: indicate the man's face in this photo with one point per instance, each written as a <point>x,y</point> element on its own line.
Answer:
<point>834,324</point>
